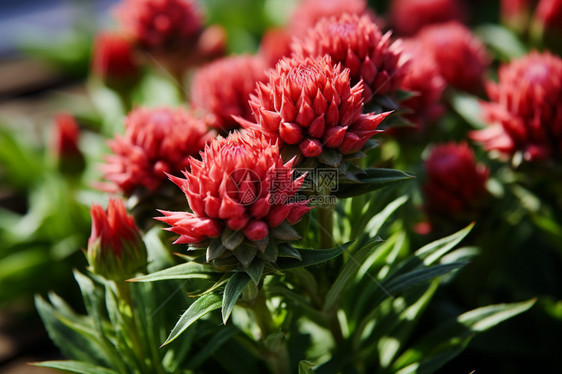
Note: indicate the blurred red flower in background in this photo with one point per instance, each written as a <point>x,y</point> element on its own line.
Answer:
<point>113,60</point>
<point>357,43</point>
<point>461,57</point>
<point>423,79</point>
<point>160,25</point>
<point>455,182</point>
<point>309,12</point>
<point>275,44</point>
<point>65,144</point>
<point>223,87</point>
<point>410,16</point>
<point>525,108</point>
<point>156,141</point>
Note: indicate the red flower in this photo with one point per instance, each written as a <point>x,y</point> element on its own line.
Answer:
<point>525,112</point>
<point>275,44</point>
<point>310,103</point>
<point>423,78</point>
<point>455,182</point>
<point>156,141</point>
<point>115,248</point>
<point>160,25</point>
<point>223,87</point>
<point>358,44</point>
<point>113,60</point>
<point>241,184</point>
<point>515,12</point>
<point>309,12</point>
<point>410,16</point>
<point>549,14</point>
<point>66,135</point>
<point>461,57</point>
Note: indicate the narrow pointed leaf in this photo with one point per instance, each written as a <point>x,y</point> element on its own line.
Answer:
<point>204,305</point>
<point>312,257</point>
<point>285,232</point>
<point>75,367</point>
<point>216,249</point>
<point>181,271</point>
<point>370,180</point>
<point>245,254</point>
<point>287,250</point>
<point>232,292</point>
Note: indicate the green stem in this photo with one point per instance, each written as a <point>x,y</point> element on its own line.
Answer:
<point>326,221</point>
<point>275,353</point>
<point>128,315</point>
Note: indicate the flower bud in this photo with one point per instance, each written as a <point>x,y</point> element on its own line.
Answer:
<point>115,248</point>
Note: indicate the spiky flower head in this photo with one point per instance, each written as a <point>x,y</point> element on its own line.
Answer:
<point>115,247</point>
<point>156,141</point>
<point>358,44</point>
<point>461,56</point>
<point>455,182</point>
<point>309,12</point>
<point>309,104</point>
<point>423,79</point>
<point>160,25</point>
<point>113,59</point>
<point>242,195</point>
<point>223,87</point>
<point>525,109</point>
<point>410,16</point>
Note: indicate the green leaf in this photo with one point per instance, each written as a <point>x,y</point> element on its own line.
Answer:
<point>468,107</point>
<point>181,271</point>
<point>375,224</point>
<point>418,276</point>
<point>76,367</point>
<point>255,270</point>
<point>215,250</point>
<point>356,259</point>
<point>270,252</point>
<point>287,250</point>
<point>245,254</point>
<point>432,252</point>
<point>435,349</point>
<point>285,232</point>
<point>232,292</point>
<point>201,307</point>
<point>312,256</point>
<point>203,354</point>
<point>503,41</point>
<point>369,180</point>
<point>305,367</point>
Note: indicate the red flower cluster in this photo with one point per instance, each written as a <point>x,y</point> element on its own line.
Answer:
<point>525,112</point>
<point>410,16</point>
<point>156,141</point>
<point>113,60</point>
<point>240,184</point>
<point>461,57</point>
<point>160,25</point>
<point>358,44</point>
<point>422,77</point>
<point>223,87</point>
<point>455,182</point>
<point>310,103</point>
<point>115,247</point>
<point>309,12</point>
